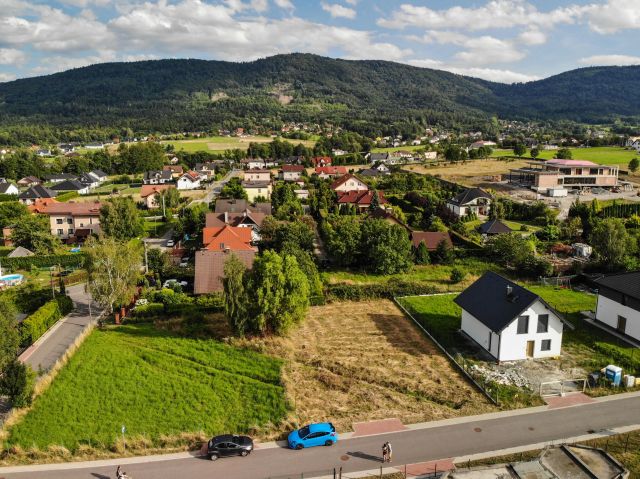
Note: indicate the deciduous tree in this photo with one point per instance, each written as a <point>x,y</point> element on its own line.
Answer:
<point>120,219</point>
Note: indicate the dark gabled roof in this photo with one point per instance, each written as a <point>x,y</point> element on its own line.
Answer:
<point>469,195</point>
<point>494,227</point>
<point>61,176</point>
<point>625,283</point>
<point>69,185</point>
<point>152,175</point>
<point>487,301</point>
<point>5,186</point>
<point>98,173</point>
<point>379,156</point>
<point>431,239</point>
<point>37,191</point>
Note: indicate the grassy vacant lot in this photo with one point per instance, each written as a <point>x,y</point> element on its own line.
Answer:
<point>470,173</point>
<point>606,155</point>
<point>352,362</point>
<point>159,385</point>
<point>435,275</point>
<point>222,143</point>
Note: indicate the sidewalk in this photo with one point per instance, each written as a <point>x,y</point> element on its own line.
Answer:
<point>44,353</point>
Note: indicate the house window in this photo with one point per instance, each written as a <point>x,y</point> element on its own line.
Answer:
<point>545,345</point>
<point>543,323</point>
<point>59,221</point>
<point>60,231</point>
<point>69,221</point>
<point>70,231</point>
<point>523,324</point>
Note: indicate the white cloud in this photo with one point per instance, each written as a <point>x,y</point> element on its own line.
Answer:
<point>614,15</point>
<point>11,56</point>
<point>285,4</point>
<point>6,77</point>
<point>494,14</point>
<point>338,11</point>
<point>609,60</point>
<point>260,5</point>
<point>352,2</point>
<point>491,74</point>
<point>487,50</point>
<point>532,37</point>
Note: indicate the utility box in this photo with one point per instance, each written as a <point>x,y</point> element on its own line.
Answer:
<point>613,374</point>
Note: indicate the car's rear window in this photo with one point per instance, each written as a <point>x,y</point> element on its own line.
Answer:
<point>304,432</point>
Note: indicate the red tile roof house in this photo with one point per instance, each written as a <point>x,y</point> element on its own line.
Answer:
<point>151,194</point>
<point>220,243</point>
<point>71,221</point>
<point>325,172</point>
<point>361,199</point>
<point>321,161</point>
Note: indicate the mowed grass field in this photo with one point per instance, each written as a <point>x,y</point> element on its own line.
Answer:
<point>158,385</point>
<point>352,362</point>
<point>606,155</point>
<point>222,143</point>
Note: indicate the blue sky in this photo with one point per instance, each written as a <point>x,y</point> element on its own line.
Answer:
<point>499,40</point>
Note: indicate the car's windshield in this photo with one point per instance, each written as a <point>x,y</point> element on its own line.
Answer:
<point>304,432</point>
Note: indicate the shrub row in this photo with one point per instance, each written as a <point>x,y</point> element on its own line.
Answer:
<point>43,318</point>
<point>628,361</point>
<point>363,292</point>
<point>44,261</point>
<point>168,303</point>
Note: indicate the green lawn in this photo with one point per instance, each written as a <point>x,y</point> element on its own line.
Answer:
<point>155,229</point>
<point>606,155</point>
<point>222,143</point>
<point>435,275</point>
<point>399,148</point>
<point>156,384</point>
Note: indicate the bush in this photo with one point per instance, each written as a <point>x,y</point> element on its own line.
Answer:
<point>457,275</point>
<point>364,292</point>
<point>621,357</point>
<point>44,261</point>
<point>43,318</point>
<point>149,310</point>
<point>18,382</point>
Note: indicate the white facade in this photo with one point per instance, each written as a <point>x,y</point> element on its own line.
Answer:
<point>186,182</point>
<point>508,345</point>
<point>12,190</point>
<point>610,313</point>
<point>352,184</point>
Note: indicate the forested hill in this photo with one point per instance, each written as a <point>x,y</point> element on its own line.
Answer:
<point>175,95</point>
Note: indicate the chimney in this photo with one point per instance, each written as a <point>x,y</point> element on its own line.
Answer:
<point>509,292</point>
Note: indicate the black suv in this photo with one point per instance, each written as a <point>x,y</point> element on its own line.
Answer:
<point>228,445</point>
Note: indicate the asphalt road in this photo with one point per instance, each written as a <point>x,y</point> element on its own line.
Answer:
<point>46,353</point>
<point>214,188</point>
<point>411,446</point>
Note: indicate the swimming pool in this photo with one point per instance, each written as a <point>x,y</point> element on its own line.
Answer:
<point>11,279</point>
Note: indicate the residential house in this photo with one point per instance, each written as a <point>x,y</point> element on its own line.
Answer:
<point>257,175</point>
<point>20,252</point>
<point>29,181</point>
<point>360,199</point>
<point>43,152</point>
<point>220,244</point>
<point>302,194</point>
<point>189,181</point>
<point>99,175</point>
<point>349,182</point>
<point>325,172</point>
<point>152,195</point>
<point>258,163</point>
<point>431,239</point>
<point>71,221</point>
<point>480,144</point>
<point>493,227</point>
<point>321,161</point>
<point>472,200</point>
<point>96,145</point>
<point>71,185</point>
<point>291,172</point>
<point>618,304</point>
<point>66,148</point>
<point>257,189</point>
<point>633,142</point>
<point>547,176</point>
<point>379,158</point>
<point>176,170</point>
<point>157,177</point>
<point>89,180</point>
<point>206,170</point>
<point>35,193</point>
<point>8,189</point>
<point>508,321</point>
<point>60,177</point>
<point>240,206</point>
<point>249,218</point>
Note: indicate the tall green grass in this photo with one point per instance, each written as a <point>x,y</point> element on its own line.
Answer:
<point>156,385</point>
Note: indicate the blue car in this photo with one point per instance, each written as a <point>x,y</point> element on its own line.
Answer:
<point>321,434</point>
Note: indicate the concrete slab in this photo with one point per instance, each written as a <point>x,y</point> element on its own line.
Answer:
<point>426,468</point>
<point>573,399</point>
<point>377,427</point>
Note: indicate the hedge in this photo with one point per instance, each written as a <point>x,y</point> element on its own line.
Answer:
<point>149,310</point>
<point>44,261</point>
<point>363,292</point>
<point>43,318</point>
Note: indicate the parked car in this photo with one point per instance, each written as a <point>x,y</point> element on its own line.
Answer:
<point>319,434</point>
<point>228,445</point>
<point>170,243</point>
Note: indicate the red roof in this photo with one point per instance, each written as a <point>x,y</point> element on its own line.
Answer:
<point>40,204</point>
<point>227,238</point>
<point>322,160</point>
<point>148,190</point>
<point>293,168</point>
<point>361,198</point>
<point>72,209</point>
<point>431,239</point>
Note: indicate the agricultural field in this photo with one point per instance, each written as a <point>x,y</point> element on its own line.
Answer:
<point>351,362</point>
<point>161,386</point>
<point>434,275</point>
<point>222,143</point>
<point>605,155</point>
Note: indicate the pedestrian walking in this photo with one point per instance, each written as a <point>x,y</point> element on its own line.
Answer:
<point>389,452</point>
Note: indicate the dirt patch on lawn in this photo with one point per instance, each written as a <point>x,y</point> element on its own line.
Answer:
<point>352,362</point>
<point>485,173</point>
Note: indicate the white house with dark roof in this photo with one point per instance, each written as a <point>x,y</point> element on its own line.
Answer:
<point>472,200</point>
<point>510,322</point>
<point>619,302</point>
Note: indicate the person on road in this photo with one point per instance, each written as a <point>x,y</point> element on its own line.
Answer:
<point>389,452</point>
<point>121,474</point>
<point>385,452</point>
